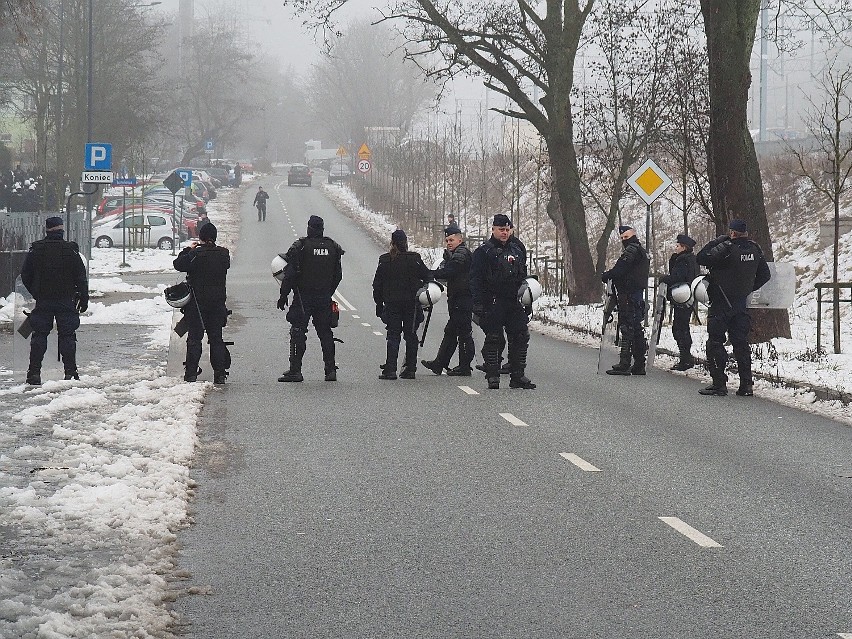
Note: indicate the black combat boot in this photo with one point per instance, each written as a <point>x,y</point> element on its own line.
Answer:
<point>521,382</point>
<point>189,376</point>
<point>685,362</point>
<point>459,371</point>
<point>72,375</point>
<point>718,388</point>
<point>219,377</point>
<point>330,372</point>
<point>34,377</point>
<point>746,388</point>
<point>294,373</point>
<point>389,367</point>
<point>433,365</point>
<point>623,366</point>
<point>407,373</point>
<point>638,367</point>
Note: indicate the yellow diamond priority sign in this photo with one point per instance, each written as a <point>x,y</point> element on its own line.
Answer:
<point>649,181</point>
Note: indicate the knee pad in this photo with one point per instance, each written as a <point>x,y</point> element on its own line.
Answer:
<point>493,340</point>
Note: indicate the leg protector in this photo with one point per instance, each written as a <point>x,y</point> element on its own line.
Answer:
<point>298,346</point>
<point>742,353</point>
<point>518,345</point>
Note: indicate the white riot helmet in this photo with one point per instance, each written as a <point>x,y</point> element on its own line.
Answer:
<point>699,290</point>
<point>278,264</point>
<point>681,294</point>
<point>178,295</point>
<point>529,291</point>
<point>430,294</point>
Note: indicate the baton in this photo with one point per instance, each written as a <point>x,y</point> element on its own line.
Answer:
<point>426,325</point>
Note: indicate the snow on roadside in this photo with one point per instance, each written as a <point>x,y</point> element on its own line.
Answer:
<point>95,474</point>
<point>94,485</point>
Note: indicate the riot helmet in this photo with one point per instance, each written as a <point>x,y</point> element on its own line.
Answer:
<point>277,266</point>
<point>177,296</point>
<point>430,294</point>
<point>681,294</point>
<point>699,290</point>
<point>529,291</point>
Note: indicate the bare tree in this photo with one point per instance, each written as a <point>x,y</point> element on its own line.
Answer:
<point>364,81</point>
<point>20,15</point>
<point>829,122</point>
<point>521,49</point>
<point>735,184</point>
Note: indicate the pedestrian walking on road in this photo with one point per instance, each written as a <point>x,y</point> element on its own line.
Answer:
<point>260,202</point>
<point>399,276</point>
<point>683,268</point>
<point>629,276</point>
<point>206,266</point>
<point>55,276</point>
<point>313,272</point>
<point>737,268</point>
<point>455,270</point>
<point>498,269</point>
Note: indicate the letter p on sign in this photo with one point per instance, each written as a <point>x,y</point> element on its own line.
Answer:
<point>98,156</point>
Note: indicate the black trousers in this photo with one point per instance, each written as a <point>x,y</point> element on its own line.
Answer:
<point>210,320</point>
<point>680,328</point>
<point>402,320</point>
<point>735,322</point>
<point>67,322</point>
<point>505,314</point>
<point>457,332</point>
<point>306,308</point>
<point>631,314</point>
<point>261,211</point>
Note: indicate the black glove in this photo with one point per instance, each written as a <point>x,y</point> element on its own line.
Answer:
<point>528,310</point>
<point>82,303</point>
<point>720,251</point>
<point>282,303</point>
<point>380,308</point>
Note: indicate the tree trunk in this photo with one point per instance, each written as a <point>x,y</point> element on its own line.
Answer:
<point>571,221</point>
<point>736,189</point>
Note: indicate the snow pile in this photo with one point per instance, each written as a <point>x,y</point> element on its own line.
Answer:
<point>94,484</point>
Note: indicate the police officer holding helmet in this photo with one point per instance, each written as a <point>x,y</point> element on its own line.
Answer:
<point>737,267</point>
<point>55,276</point>
<point>312,273</point>
<point>682,270</point>
<point>498,268</point>
<point>455,270</point>
<point>206,266</point>
<point>629,276</point>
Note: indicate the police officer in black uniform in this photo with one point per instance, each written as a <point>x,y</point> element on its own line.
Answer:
<point>455,270</point>
<point>682,270</point>
<point>55,276</point>
<point>260,202</point>
<point>399,276</point>
<point>313,271</point>
<point>629,276</point>
<point>498,268</point>
<point>737,267</point>
<point>206,266</point>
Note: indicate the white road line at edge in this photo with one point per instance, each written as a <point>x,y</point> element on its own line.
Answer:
<point>367,324</point>
<point>468,390</point>
<point>345,302</point>
<point>845,635</point>
<point>377,332</point>
<point>580,463</point>
<point>512,419</point>
<point>688,531</point>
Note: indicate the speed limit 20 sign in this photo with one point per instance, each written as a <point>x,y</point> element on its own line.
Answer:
<point>364,166</point>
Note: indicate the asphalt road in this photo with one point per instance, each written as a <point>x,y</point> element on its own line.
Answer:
<point>368,508</point>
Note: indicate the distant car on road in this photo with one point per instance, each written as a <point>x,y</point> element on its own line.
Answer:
<point>339,171</point>
<point>299,174</point>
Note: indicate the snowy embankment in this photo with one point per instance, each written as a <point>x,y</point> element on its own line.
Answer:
<point>95,474</point>
<point>788,371</point>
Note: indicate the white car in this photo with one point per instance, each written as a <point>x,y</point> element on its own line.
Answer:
<point>155,232</point>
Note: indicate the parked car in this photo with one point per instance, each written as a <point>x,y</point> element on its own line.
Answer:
<point>299,174</point>
<point>114,230</point>
<point>339,171</point>
<point>211,190</point>
<point>221,174</point>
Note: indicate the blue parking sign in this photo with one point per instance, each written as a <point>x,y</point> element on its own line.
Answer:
<point>98,156</point>
<point>186,176</point>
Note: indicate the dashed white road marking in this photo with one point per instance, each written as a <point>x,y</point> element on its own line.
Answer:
<point>580,463</point>
<point>842,635</point>
<point>345,301</point>
<point>688,531</point>
<point>377,332</point>
<point>367,324</point>
<point>468,390</point>
<point>513,420</point>
<point>356,317</point>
